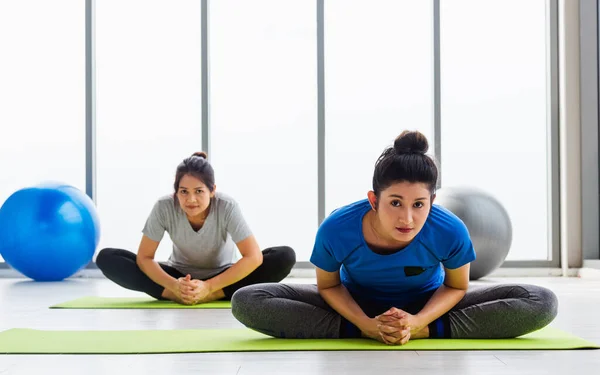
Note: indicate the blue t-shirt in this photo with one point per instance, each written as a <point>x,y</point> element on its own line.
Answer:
<point>398,278</point>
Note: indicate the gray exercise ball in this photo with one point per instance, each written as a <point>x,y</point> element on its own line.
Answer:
<point>488,223</point>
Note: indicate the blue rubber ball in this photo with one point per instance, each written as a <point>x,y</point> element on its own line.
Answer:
<point>48,232</point>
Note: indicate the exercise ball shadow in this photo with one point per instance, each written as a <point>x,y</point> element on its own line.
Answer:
<point>48,232</point>
<point>488,223</point>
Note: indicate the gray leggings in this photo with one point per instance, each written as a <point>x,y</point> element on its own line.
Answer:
<point>298,311</point>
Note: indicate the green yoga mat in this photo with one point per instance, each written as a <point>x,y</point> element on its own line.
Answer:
<point>134,303</point>
<point>29,341</point>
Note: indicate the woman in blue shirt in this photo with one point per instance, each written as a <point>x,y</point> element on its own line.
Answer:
<point>394,267</point>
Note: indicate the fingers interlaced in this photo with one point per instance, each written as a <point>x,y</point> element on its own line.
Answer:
<point>389,329</point>
<point>394,322</point>
<point>393,334</point>
<point>401,338</point>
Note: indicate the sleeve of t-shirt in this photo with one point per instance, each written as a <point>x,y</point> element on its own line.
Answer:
<point>323,255</point>
<point>461,250</point>
<point>155,224</point>
<point>236,224</point>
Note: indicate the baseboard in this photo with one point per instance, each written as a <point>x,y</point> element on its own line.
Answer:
<point>589,273</point>
<point>9,273</point>
<point>532,272</point>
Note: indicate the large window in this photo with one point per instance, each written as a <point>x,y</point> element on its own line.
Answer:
<point>148,109</point>
<point>378,82</point>
<point>263,96</point>
<point>264,104</point>
<point>495,121</point>
<point>42,94</point>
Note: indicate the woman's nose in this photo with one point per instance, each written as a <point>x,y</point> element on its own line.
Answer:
<point>405,217</point>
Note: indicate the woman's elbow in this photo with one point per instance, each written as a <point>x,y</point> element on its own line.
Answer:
<point>141,261</point>
<point>259,259</point>
<point>256,259</point>
<point>461,289</point>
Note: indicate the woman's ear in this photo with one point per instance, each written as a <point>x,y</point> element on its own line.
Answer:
<point>432,198</point>
<point>372,200</point>
<point>212,193</point>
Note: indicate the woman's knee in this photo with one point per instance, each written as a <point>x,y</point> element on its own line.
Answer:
<point>286,257</point>
<point>542,305</point>
<point>547,302</point>
<point>243,303</point>
<point>105,257</point>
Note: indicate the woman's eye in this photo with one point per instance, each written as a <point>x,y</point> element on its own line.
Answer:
<point>199,191</point>
<point>183,192</point>
<point>419,204</point>
<point>396,203</point>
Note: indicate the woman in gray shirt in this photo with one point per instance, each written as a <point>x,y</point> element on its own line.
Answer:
<point>206,228</point>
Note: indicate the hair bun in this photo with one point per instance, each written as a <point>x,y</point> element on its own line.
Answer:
<point>200,154</point>
<point>411,142</point>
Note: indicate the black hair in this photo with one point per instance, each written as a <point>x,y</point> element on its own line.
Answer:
<point>198,166</point>
<point>406,161</point>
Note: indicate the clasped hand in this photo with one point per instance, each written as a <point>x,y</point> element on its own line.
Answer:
<point>191,291</point>
<point>395,327</point>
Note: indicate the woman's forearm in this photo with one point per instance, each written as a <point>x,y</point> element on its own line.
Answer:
<point>341,301</point>
<point>235,273</point>
<point>440,303</point>
<point>155,272</point>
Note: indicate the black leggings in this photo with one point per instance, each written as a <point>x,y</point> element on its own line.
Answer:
<point>120,266</point>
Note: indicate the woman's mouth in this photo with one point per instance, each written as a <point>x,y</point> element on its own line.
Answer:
<point>404,230</point>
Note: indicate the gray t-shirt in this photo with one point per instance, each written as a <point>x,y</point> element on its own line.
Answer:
<point>210,250</point>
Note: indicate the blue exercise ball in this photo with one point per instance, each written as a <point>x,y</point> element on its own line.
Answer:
<point>48,232</point>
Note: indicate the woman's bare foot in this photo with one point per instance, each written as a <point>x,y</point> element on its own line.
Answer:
<point>214,296</point>
<point>168,294</point>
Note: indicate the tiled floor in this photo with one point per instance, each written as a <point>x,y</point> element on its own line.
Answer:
<point>25,304</point>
